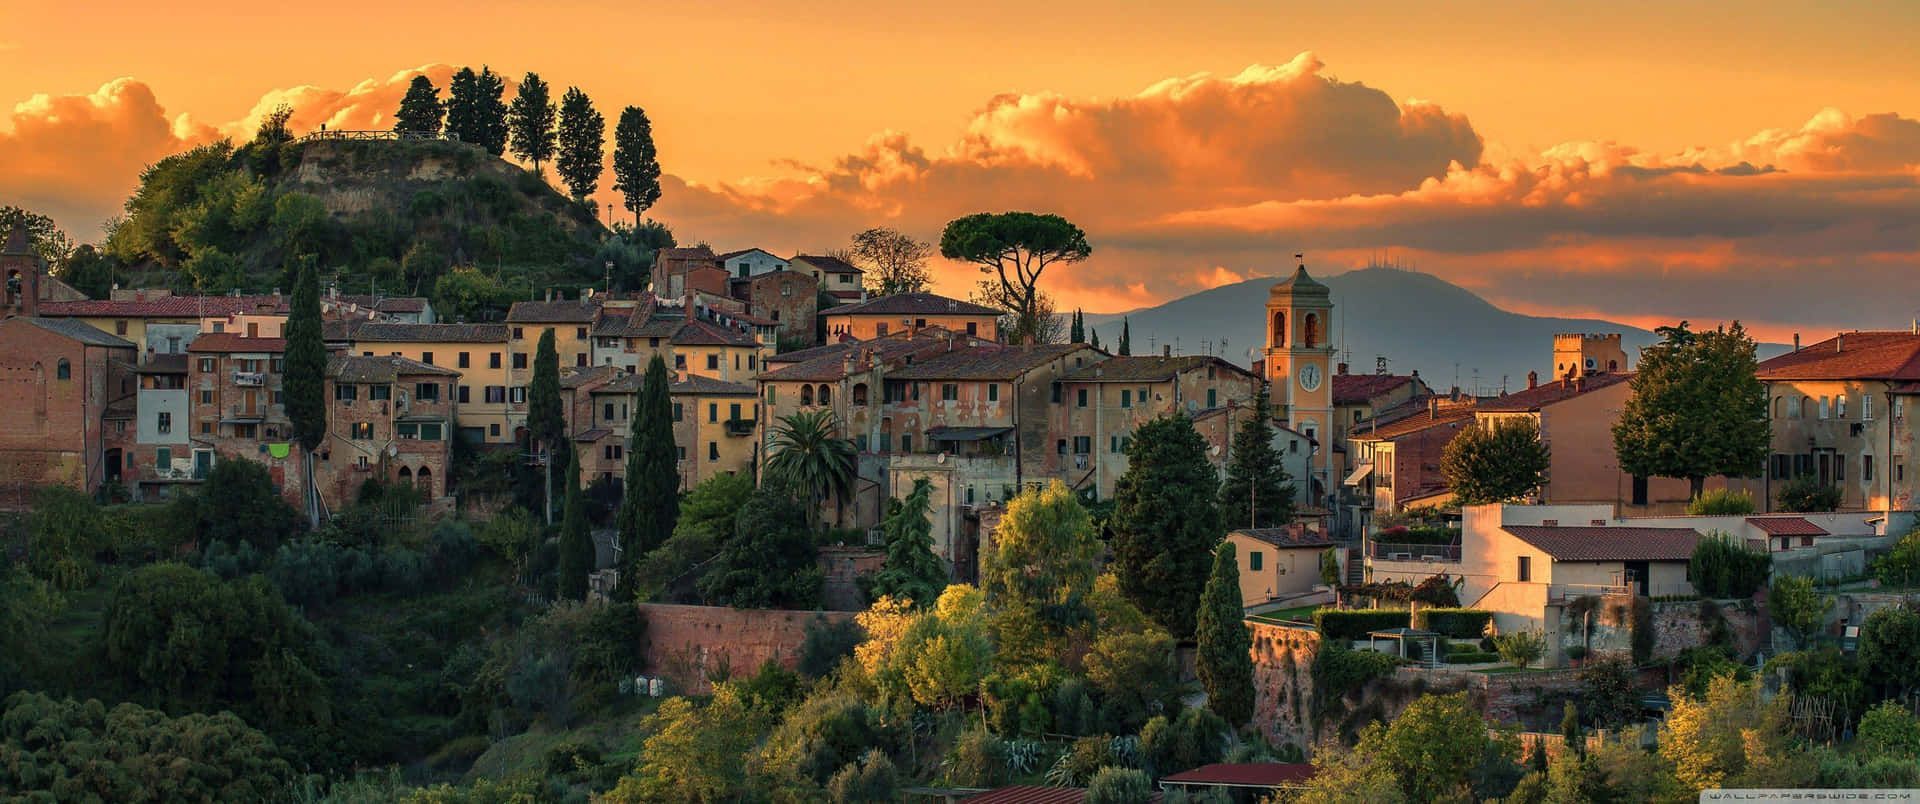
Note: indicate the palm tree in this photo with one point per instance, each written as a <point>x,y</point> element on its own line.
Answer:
<point>808,457</point>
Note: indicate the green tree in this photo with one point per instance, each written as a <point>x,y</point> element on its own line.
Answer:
<point>1077,331</point>
<point>303,384</point>
<point>1807,495</point>
<point>1186,741</point>
<point>636,165</point>
<point>691,751</point>
<point>1135,675</point>
<point>65,530</point>
<point>1256,493</point>
<point>43,234</point>
<point>1165,523</point>
<point>530,121</point>
<point>1093,338</point>
<point>1900,567</point>
<point>90,271</point>
<point>1723,567</point>
<point>68,750</point>
<point>912,571</point>
<point>583,134</point>
<point>1721,502</point>
<point>1797,606</point>
<point>1697,408</point>
<point>872,780</point>
<point>491,120</point>
<point>273,129</point>
<point>1126,337</point>
<point>895,262</point>
<point>1723,739</point>
<point>239,504</point>
<point>420,115</point>
<point>1503,462</point>
<point>511,535</point>
<point>1435,747</point>
<point>1015,249</point>
<point>467,293</point>
<point>807,456</point>
<point>1890,649</point>
<point>463,107</point>
<point>1520,648</point>
<point>576,540</point>
<point>546,424</point>
<point>28,608</point>
<point>650,503</point>
<point>705,521</point>
<point>771,561</point>
<point>1225,655</point>
<point>1890,729</point>
<point>1041,562</point>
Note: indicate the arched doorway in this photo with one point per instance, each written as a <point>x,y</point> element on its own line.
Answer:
<point>424,481</point>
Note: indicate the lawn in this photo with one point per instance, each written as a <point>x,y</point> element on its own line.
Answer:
<point>1295,614</point>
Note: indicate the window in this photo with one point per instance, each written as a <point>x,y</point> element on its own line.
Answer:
<point>993,392</point>
<point>973,328</point>
<point>1080,398</point>
<point>206,396</point>
<point>949,392</point>
<point>713,450</point>
<point>276,365</point>
<point>607,412</point>
<point>465,360</point>
<point>207,365</point>
<point>750,360</point>
<point>1826,412</point>
<point>1866,461</point>
<point>1839,468</point>
<point>119,327</point>
<point>406,431</point>
<point>1061,446</point>
<point>1255,559</point>
<point>1782,467</point>
<point>880,329</point>
<point>517,334</point>
<point>1082,445</point>
<point>676,411</point>
<point>430,431</point>
<point>520,361</point>
<point>379,391</point>
<point>906,442</point>
<point>465,394</point>
<point>517,395</point>
<point>1639,490</point>
<point>1526,569</point>
<point>680,362</point>
<point>580,333</point>
<point>1866,407</point>
<point>772,396</point>
<point>493,360</point>
<point>1213,398</point>
<point>493,430</point>
<point>1899,470</point>
<point>163,457</point>
<point>427,358</point>
<point>1126,397</point>
<point>1057,391</point>
<point>612,452</point>
<point>580,359</point>
<point>363,431</point>
<point>846,279</point>
<point>206,427</point>
<point>164,424</point>
<point>713,362</point>
<point>426,392</point>
<point>713,411</point>
<point>496,394</point>
<point>733,412</point>
<point>346,393</point>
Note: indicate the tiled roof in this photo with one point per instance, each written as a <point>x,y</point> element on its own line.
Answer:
<point>804,355</point>
<point>707,333</point>
<point>1786,526</point>
<point>1849,356</point>
<point>732,254</point>
<point>912,304</point>
<point>1293,535</point>
<point>708,386</point>
<point>571,377</point>
<point>1549,393</point>
<point>164,364</point>
<point>235,342</point>
<point>844,294</point>
<point>595,434</point>
<point>19,241</point>
<point>827,264</point>
<point>1603,543</point>
<point>564,311</point>
<point>165,307</point>
<point>379,368</point>
<point>383,332</point>
<point>79,331</point>
<point>1146,368</point>
<point>831,365</point>
<point>1358,389</point>
<point>684,253</point>
<point>1245,774</point>
<point>985,362</point>
<point>627,383</point>
<point>1300,284</point>
<point>1028,794</point>
<point>1427,418</point>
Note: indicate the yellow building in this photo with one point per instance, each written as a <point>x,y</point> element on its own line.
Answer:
<point>158,322</point>
<point>705,349</point>
<point>570,320</point>
<point>714,426</point>
<point>1277,563</point>
<point>1299,363</point>
<point>1839,414</point>
<point>477,351</point>
<point>903,312</point>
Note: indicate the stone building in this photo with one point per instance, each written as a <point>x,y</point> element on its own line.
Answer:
<point>57,379</point>
<point>388,418</point>
<point>789,299</point>
<point>1839,409</point>
<point>1103,402</point>
<point>477,351</point>
<point>838,278</point>
<point>907,311</point>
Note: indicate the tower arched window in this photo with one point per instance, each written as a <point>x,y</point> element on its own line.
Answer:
<point>860,394</point>
<point>1310,331</point>
<point>1279,329</point>
<point>826,394</point>
<point>806,394</point>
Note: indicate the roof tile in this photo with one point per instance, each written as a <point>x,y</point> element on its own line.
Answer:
<point>1608,543</point>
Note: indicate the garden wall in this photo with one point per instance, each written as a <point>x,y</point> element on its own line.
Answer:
<point>688,645</point>
<point>1677,625</point>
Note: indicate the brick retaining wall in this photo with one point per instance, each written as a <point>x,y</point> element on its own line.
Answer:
<point>687,644</point>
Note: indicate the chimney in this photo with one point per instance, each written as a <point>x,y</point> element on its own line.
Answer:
<point>1796,341</point>
<point>1340,369</point>
<point>1433,407</point>
<point>1166,350</point>
<point>1838,339</point>
<point>1533,380</point>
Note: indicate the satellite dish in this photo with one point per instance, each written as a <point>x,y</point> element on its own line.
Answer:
<point>393,450</point>
<point>940,458</point>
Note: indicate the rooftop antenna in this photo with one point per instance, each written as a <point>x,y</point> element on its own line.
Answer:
<point>1380,364</point>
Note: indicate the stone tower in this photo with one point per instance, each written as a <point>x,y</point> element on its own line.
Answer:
<point>1300,352</point>
<point>1578,355</point>
<point>20,272</point>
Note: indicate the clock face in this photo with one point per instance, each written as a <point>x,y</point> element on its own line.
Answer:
<point>1309,377</point>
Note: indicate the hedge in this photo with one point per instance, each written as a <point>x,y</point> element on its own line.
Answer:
<point>1456,623</point>
<point>1354,624</point>
<point>1471,657</point>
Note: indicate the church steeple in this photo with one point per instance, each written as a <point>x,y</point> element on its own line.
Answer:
<point>1300,352</point>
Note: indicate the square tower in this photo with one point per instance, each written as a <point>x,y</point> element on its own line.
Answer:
<point>1300,352</point>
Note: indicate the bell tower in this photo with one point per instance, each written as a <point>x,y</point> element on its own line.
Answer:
<point>20,271</point>
<point>1300,351</point>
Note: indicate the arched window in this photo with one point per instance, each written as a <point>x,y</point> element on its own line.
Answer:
<point>1310,331</point>
<point>424,481</point>
<point>1613,366</point>
<point>1840,407</point>
<point>1779,407</point>
<point>860,394</point>
<point>13,286</point>
<point>63,370</point>
<point>1806,407</point>
<point>806,394</point>
<point>1279,329</point>
<point>406,475</point>
<point>826,394</point>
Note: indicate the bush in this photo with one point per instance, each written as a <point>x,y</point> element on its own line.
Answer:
<point>1338,671</point>
<point>1806,494</point>
<point>1084,758</point>
<point>872,780</point>
<point>1889,729</point>
<point>1520,648</point>
<point>1455,623</point>
<point>1900,567</point>
<point>826,643</point>
<point>978,758</point>
<point>1196,737</point>
<point>1357,623</point>
<point>1721,502</point>
<point>1723,568</point>
<point>1576,653</point>
<point>1112,785</point>
<point>1471,657</point>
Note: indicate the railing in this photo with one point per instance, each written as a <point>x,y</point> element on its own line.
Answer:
<point>740,427</point>
<point>371,135</point>
<point>1562,592</point>
<point>1389,551</point>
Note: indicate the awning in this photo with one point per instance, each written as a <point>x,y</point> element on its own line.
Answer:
<point>966,433</point>
<point>1359,474</point>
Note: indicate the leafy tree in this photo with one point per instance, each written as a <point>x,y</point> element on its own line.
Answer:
<point>1077,331</point>
<point>1126,337</point>
<point>650,503</point>
<point>1113,785</point>
<point>273,129</point>
<point>43,234</point>
<point>1608,691</point>
<point>467,293</point>
<point>1502,462</point>
<point>1900,567</point>
<point>1725,737</point>
<point>807,456</point>
<point>870,781</point>
<point>1697,408</point>
<point>1165,522</point>
<point>1890,648</point>
<point>1255,493</point>
<point>705,521</point>
<point>636,166</point>
<point>912,570</point>
<point>770,563</point>
<point>1224,658</point>
<point>420,115</point>
<point>66,750</point>
<point>687,757</point>
<point>1721,502</point>
<point>530,121</point>
<point>576,541</point>
<point>64,533</point>
<point>1434,751</point>
<point>1520,648</point>
<point>90,271</point>
<point>1041,562</point>
<point>1135,675</point>
<point>945,653</point>
<point>1807,495</point>
<point>583,133</point>
<point>1797,606</point>
<point>303,384</point>
<point>1722,567</point>
<point>238,504</point>
<point>895,262</point>
<point>28,607</point>
<point>1015,249</point>
<point>511,535</point>
<point>827,642</point>
<point>1193,738</point>
<point>1570,732</point>
<point>1892,730</point>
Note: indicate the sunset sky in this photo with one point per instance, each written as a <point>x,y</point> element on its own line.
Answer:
<point>1642,161</point>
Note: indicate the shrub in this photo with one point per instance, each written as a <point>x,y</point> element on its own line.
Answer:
<point>1196,737</point>
<point>1085,757</point>
<point>978,758</point>
<point>1901,565</point>
<point>1723,568</point>
<point>1471,657</point>
<point>1330,567</point>
<point>1338,671</point>
<point>872,780</point>
<point>1576,653</point>
<point>826,643</point>
<point>1455,623</point>
<point>1890,648</point>
<point>1721,502</point>
<point>1607,691</point>
<point>1118,786</point>
<point>1520,648</point>
<point>1355,624</point>
<point>1891,730</point>
<point>1806,494</point>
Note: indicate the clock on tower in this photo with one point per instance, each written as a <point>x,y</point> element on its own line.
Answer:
<point>1299,353</point>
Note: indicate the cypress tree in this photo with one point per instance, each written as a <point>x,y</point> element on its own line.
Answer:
<point>1093,338</point>
<point>576,541</point>
<point>636,166</point>
<point>1256,493</point>
<point>1077,331</point>
<point>650,506</point>
<point>582,137</point>
<point>303,385</point>
<point>463,107</point>
<point>1165,523</point>
<point>1126,337</point>
<point>1224,658</point>
<point>546,424</point>
<point>912,570</point>
<point>420,112</point>
<point>490,111</point>
<point>530,120</point>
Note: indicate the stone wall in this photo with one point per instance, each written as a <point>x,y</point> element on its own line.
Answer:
<point>690,645</point>
<point>1677,625</point>
<point>843,565</point>
<point>1283,682</point>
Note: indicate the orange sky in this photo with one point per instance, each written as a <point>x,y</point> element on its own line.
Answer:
<point>1558,160</point>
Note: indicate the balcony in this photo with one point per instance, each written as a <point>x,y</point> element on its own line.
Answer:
<point>741,427</point>
<point>1389,551</point>
<point>249,379</point>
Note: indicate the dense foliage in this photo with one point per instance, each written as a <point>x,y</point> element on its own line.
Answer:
<point>1502,462</point>
<point>1697,408</point>
<point>1224,658</point>
<point>650,498</point>
<point>1722,567</point>
<point>1721,502</point>
<point>1807,495</point>
<point>1165,522</point>
<point>78,751</point>
<point>912,571</point>
<point>1255,493</point>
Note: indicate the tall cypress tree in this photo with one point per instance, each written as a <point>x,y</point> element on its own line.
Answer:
<point>530,120</point>
<point>1256,493</point>
<point>636,166</point>
<point>463,107</point>
<point>303,386</point>
<point>546,424</point>
<point>1224,659</point>
<point>1093,338</point>
<point>1165,523</point>
<point>420,112</point>
<point>576,540</point>
<point>490,111</point>
<point>582,138</point>
<point>650,507</point>
<point>1126,337</point>
<point>1077,330</point>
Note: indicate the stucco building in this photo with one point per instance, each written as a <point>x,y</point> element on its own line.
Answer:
<point>908,311</point>
<point>477,351</point>
<point>1838,410</point>
<point>1278,562</point>
<point>1103,402</point>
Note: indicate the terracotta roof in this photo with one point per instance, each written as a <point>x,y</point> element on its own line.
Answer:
<point>827,264</point>
<point>78,331</point>
<point>1293,535</point>
<point>732,254</point>
<point>165,307</point>
<point>1146,368</point>
<point>384,332</point>
<point>984,362</point>
<point>809,353</point>
<point>831,364</point>
<point>708,386</point>
<point>1426,419</point>
<point>623,384</point>
<point>379,368</point>
<point>1245,774</point>
<point>1028,794</point>
<point>1358,389</point>
<point>707,333</point>
<point>595,434</point>
<point>913,304</point>
<point>844,294</point>
<point>1786,526</point>
<point>1606,543</point>
<point>1848,356</point>
<point>235,342</point>
<point>1549,393</point>
<point>684,253</point>
<point>575,377</point>
<point>563,311</point>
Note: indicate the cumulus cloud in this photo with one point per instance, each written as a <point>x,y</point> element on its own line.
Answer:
<point>369,105</point>
<point>75,157</point>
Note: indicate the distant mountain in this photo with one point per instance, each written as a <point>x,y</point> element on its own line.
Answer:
<point>1414,320</point>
